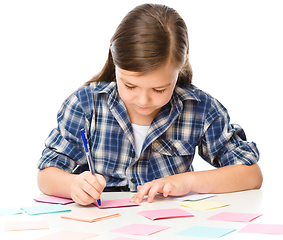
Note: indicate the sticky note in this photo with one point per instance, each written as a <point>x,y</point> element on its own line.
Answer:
<point>54,200</point>
<point>140,229</point>
<point>68,235</point>
<point>204,205</point>
<point>45,209</point>
<point>165,213</point>
<point>26,225</point>
<point>90,215</point>
<point>234,217</point>
<point>263,228</point>
<point>116,203</point>
<point>123,238</point>
<point>205,232</point>
<point>192,196</point>
<point>10,211</point>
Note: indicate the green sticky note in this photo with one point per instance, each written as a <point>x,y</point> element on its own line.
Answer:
<point>206,232</point>
<point>45,209</point>
<point>9,211</point>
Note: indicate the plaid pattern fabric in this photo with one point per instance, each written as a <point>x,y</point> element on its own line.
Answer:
<point>191,119</point>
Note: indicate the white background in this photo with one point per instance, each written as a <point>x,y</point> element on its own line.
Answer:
<point>48,49</point>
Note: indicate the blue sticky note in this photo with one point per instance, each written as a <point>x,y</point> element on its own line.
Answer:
<point>44,209</point>
<point>206,232</point>
<point>9,211</point>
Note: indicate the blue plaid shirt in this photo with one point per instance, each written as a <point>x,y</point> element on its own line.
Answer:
<point>192,118</point>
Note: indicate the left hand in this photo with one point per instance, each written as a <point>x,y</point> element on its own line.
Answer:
<point>173,185</point>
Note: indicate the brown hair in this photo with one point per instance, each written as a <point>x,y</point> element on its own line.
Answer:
<point>147,38</point>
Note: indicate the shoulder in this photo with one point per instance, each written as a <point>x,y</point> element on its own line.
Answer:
<point>191,92</point>
<point>203,101</point>
<point>80,102</point>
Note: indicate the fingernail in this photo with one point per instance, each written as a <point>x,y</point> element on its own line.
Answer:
<point>149,199</point>
<point>137,200</point>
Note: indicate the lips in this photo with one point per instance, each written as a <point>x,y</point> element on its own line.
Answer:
<point>143,108</point>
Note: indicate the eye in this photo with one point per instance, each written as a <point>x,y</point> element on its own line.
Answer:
<point>128,87</point>
<point>159,91</point>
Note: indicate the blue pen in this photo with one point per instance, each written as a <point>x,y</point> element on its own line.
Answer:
<point>88,157</point>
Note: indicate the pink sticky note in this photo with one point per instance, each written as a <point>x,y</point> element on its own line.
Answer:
<point>263,228</point>
<point>54,200</point>
<point>115,203</point>
<point>26,225</point>
<point>68,235</point>
<point>90,215</point>
<point>234,217</point>
<point>140,229</point>
<point>165,213</point>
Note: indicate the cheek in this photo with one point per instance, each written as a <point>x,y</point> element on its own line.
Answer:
<point>124,94</point>
<point>164,99</point>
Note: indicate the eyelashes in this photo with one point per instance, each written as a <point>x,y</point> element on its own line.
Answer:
<point>129,88</point>
<point>157,91</point>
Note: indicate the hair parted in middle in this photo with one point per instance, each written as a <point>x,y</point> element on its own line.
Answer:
<point>147,38</point>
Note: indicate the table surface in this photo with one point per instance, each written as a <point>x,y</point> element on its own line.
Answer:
<point>253,201</point>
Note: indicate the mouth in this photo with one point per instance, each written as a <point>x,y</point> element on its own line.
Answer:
<point>143,108</point>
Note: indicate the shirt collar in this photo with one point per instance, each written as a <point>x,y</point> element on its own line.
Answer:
<point>109,88</point>
<point>186,93</point>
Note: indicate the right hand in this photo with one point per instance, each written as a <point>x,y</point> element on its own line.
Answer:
<point>87,188</point>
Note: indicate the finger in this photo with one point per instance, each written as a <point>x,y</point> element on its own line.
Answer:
<point>167,189</point>
<point>92,187</point>
<point>133,198</point>
<point>102,182</point>
<point>156,187</point>
<point>143,191</point>
<point>81,197</point>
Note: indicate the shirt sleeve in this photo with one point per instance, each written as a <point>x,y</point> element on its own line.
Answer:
<point>64,147</point>
<point>223,143</point>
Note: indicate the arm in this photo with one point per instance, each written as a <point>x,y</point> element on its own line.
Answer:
<point>226,179</point>
<point>84,189</point>
<point>64,151</point>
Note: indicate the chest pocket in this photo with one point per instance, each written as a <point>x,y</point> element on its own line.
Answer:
<point>173,148</point>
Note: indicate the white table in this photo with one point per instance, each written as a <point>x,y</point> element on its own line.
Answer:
<point>254,201</point>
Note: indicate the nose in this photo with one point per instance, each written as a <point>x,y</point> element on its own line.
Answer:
<point>143,99</point>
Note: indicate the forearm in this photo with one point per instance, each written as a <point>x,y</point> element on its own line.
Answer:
<point>226,179</point>
<point>56,182</point>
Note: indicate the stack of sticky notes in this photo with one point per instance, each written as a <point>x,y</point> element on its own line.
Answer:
<point>90,215</point>
<point>204,205</point>
<point>165,213</point>
<point>116,203</point>
<point>45,209</point>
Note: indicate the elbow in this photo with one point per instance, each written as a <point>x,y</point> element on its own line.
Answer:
<point>41,182</point>
<point>258,177</point>
<point>259,181</point>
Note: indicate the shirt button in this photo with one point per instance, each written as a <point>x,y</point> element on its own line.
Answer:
<point>174,149</point>
<point>132,154</point>
<point>133,180</point>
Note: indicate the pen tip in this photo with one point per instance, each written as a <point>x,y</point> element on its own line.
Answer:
<point>99,202</point>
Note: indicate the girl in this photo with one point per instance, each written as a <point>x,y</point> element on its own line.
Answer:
<point>144,119</point>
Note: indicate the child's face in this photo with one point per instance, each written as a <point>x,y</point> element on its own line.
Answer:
<point>145,94</point>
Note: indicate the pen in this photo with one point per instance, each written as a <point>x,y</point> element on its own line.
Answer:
<point>88,157</point>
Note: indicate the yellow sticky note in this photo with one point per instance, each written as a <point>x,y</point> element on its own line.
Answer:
<point>204,205</point>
